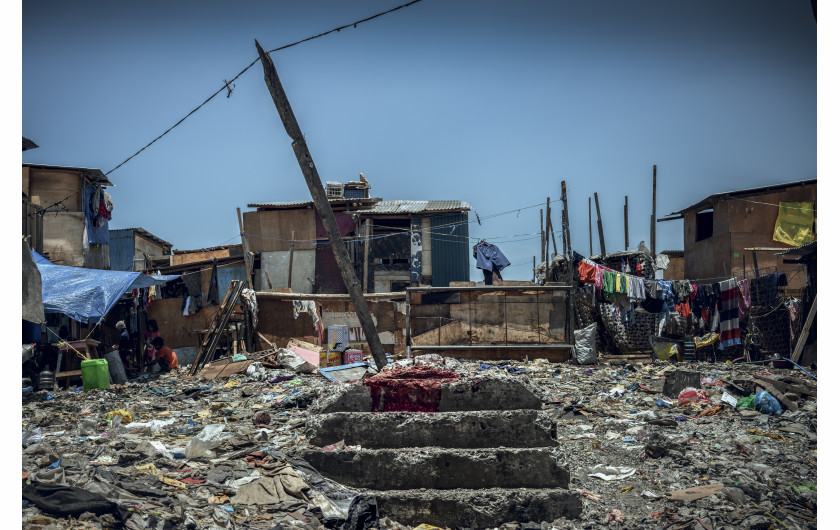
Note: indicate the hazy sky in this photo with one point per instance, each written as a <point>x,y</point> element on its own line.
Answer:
<point>489,102</point>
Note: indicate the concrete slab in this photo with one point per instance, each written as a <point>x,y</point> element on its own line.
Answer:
<point>435,468</point>
<point>478,509</point>
<point>469,429</point>
<point>462,395</point>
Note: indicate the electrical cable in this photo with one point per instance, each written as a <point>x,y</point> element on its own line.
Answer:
<point>226,85</point>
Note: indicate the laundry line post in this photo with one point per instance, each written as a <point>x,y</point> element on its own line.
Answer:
<point>322,206</point>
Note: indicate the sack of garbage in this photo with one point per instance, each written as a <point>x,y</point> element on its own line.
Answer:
<point>692,395</point>
<point>766,403</point>
<point>208,439</point>
<point>585,351</point>
<point>746,402</point>
<point>292,361</point>
<point>256,371</point>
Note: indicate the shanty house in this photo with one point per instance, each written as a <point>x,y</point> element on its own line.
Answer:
<point>135,249</point>
<point>59,216</point>
<point>736,232</point>
<point>409,242</point>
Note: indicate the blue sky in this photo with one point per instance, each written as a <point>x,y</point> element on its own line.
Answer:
<point>489,102</point>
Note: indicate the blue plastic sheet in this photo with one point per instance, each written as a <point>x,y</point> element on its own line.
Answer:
<point>87,295</point>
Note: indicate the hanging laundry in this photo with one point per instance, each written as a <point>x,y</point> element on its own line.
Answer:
<point>490,259</point>
<point>609,283</point>
<point>586,271</point>
<point>681,290</point>
<point>744,299</point>
<point>730,331</point>
<point>599,277</point>
<point>213,290</point>
<point>635,288</point>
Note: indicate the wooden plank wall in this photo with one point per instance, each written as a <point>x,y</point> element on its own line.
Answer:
<point>277,322</point>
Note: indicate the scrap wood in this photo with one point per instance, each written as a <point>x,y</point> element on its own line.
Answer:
<point>778,394</point>
<point>768,435</point>
<point>787,387</point>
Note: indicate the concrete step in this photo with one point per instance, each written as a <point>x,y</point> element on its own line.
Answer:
<point>470,429</point>
<point>487,508</point>
<point>435,468</point>
<point>462,395</point>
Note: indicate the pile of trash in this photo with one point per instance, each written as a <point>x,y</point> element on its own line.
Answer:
<point>650,445</point>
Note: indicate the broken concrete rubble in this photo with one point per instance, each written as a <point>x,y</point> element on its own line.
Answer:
<point>541,426</point>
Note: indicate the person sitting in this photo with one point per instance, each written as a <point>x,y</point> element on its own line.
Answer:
<point>124,345</point>
<point>164,355</point>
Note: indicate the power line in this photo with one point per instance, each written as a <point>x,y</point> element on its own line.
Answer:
<point>227,84</point>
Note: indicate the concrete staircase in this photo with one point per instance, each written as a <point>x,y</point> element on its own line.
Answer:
<point>489,456</point>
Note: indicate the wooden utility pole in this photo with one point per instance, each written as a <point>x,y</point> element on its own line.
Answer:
<point>653,218</point>
<point>246,251</point>
<point>291,259</point>
<point>548,215</point>
<point>534,270</point>
<point>367,253</point>
<point>600,227</point>
<point>590,226</point>
<point>249,259</point>
<point>542,238</point>
<point>626,229</point>
<point>322,206</point>
<point>570,297</point>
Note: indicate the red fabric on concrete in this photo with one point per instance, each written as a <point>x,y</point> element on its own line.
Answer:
<point>415,389</point>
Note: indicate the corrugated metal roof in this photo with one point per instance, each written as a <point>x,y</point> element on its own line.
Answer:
<point>148,235</point>
<point>399,207</point>
<point>95,175</point>
<point>378,206</point>
<point>303,204</point>
<point>748,191</point>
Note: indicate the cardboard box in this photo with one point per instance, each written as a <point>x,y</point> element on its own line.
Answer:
<point>330,358</point>
<point>352,356</point>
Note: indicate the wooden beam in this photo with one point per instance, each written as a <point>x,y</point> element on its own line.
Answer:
<point>626,228</point>
<point>600,227</point>
<point>367,254</point>
<point>590,226</point>
<point>322,206</point>
<point>653,218</point>
<point>291,257</point>
<point>806,330</point>
<point>246,250</point>
<point>542,238</point>
<point>548,215</point>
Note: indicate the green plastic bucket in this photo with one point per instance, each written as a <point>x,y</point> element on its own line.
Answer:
<point>95,374</point>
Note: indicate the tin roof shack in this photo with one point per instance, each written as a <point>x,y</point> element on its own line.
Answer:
<point>135,249</point>
<point>719,230</point>
<point>410,243</point>
<point>181,329</point>
<point>56,200</point>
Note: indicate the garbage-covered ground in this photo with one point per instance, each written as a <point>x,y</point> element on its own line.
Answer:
<point>168,451</point>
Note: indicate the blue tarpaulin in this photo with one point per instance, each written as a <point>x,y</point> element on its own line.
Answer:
<point>87,295</point>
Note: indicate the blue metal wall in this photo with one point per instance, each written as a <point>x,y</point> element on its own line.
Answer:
<point>224,275</point>
<point>450,249</point>
<point>121,249</point>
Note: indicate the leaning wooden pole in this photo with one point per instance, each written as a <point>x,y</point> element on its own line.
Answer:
<point>322,206</point>
<point>600,227</point>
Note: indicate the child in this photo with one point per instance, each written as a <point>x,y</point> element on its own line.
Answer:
<point>164,355</point>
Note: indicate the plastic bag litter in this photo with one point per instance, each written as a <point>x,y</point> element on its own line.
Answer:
<point>32,437</point>
<point>208,439</point>
<point>610,472</point>
<point>692,395</point>
<point>256,371</point>
<point>767,404</point>
<point>585,351</point>
<point>746,402</point>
